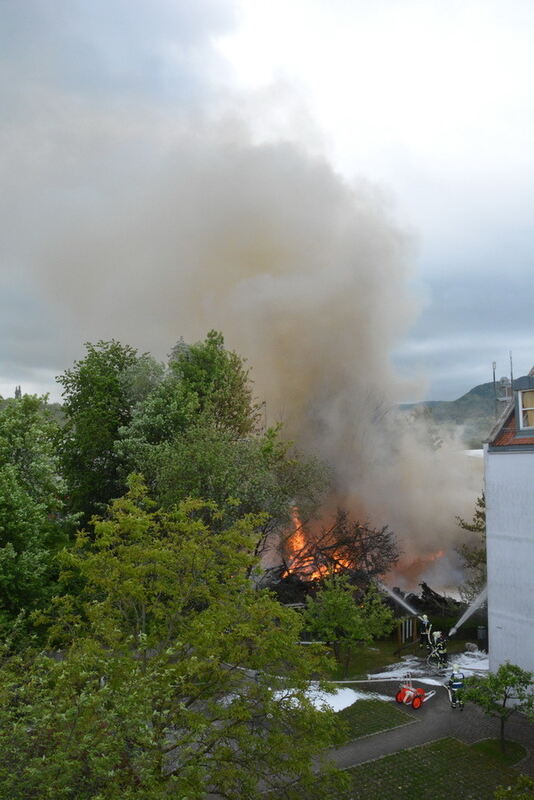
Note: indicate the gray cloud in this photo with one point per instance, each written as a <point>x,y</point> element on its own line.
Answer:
<point>113,49</point>
<point>476,312</point>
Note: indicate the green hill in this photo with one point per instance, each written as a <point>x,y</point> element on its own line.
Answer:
<point>474,411</point>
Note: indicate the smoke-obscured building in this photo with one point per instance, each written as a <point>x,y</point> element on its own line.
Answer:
<point>509,487</point>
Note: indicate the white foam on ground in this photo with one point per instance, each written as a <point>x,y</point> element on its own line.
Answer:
<point>344,697</point>
<point>475,663</point>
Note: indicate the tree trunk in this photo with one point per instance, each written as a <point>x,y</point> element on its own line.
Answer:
<point>347,661</point>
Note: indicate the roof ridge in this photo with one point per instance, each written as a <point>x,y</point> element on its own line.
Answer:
<point>501,421</point>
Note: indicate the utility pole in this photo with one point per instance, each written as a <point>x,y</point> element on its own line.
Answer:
<point>494,365</point>
<point>511,374</point>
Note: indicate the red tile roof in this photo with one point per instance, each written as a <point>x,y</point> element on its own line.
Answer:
<point>507,434</point>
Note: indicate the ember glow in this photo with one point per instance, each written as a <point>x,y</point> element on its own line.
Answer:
<point>301,556</point>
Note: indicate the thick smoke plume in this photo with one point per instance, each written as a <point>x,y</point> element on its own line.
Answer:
<point>306,276</point>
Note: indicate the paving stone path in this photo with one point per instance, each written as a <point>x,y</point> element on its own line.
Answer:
<point>436,720</point>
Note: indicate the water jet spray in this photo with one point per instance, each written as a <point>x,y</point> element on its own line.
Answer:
<point>471,608</point>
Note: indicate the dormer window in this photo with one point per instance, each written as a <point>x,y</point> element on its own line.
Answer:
<point>526,408</point>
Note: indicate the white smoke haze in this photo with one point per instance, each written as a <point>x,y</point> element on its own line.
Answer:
<point>146,237</point>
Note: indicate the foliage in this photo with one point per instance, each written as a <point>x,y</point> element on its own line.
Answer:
<point>184,451</point>
<point>141,378</point>
<point>156,422</point>
<point>205,385</point>
<point>256,473</point>
<point>334,616</point>
<point>166,682</point>
<point>96,404</point>
<point>474,554</point>
<point>33,524</point>
<point>494,692</point>
<point>220,381</point>
<point>522,789</point>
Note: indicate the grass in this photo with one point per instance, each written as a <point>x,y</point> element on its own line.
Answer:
<point>371,716</point>
<point>441,770</point>
<point>380,654</point>
<point>366,659</point>
<point>514,751</point>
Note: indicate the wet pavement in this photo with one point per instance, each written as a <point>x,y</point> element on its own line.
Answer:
<point>435,720</point>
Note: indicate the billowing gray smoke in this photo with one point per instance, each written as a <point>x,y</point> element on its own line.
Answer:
<point>305,275</point>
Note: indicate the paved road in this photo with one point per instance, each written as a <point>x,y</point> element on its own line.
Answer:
<point>436,720</point>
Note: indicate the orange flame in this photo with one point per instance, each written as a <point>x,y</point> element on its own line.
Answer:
<point>302,560</point>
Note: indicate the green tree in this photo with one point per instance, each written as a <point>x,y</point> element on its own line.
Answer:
<point>141,378</point>
<point>522,789</point>
<point>96,404</point>
<point>33,523</point>
<point>334,615</point>
<point>156,423</point>
<point>206,389</point>
<point>474,553</point>
<point>256,473</point>
<point>168,685</point>
<point>220,381</point>
<point>501,693</point>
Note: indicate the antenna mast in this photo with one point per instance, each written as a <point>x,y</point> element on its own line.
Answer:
<point>494,366</point>
<point>511,373</point>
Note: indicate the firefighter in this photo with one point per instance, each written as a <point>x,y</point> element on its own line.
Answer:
<point>440,647</point>
<point>455,686</point>
<point>426,628</point>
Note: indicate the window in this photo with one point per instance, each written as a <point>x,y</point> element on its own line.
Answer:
<point>526,408</point>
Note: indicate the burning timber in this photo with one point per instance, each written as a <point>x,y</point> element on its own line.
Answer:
<point>347,547</point>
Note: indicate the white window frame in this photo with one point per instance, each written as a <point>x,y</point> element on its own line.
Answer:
<point>522,408</point>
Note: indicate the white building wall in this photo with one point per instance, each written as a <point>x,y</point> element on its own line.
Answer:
<point>509,486</point>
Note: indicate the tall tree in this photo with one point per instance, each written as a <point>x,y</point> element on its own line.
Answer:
<point>168,684</point>
<point>221,382</point>
<point>206,386</point>
<point>33,523</point>
<point>473,553</point>
<point>195,434</point>
<point>97,404</point>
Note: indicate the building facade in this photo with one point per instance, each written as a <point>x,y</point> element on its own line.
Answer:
<point>509,488</point>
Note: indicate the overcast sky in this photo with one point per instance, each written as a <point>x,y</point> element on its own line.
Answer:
<point>432,101</point>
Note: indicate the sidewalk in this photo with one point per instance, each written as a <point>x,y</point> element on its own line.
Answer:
<point>436,720</point>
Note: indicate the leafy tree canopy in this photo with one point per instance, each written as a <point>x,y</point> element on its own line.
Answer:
<point>33,523</point>
<point>336,616</point>
<point>256,473</point>
<point>167,684</point>
<point>220,381</point>
<point>501,693</point>
<point>97,402</point>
